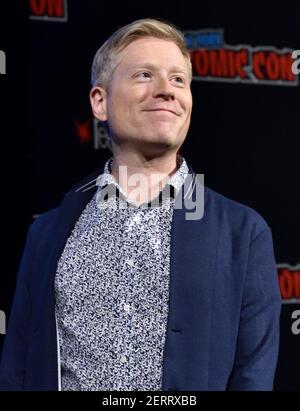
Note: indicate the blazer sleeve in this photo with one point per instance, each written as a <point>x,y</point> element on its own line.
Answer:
<point>258,337</point>
<point>14,351</point>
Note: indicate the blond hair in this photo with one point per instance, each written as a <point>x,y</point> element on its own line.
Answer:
<point>105,59</point>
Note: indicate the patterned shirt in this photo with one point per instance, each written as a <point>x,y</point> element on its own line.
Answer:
<point>112,291</point>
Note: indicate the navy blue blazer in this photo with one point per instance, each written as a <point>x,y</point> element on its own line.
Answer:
<point>224,305</point>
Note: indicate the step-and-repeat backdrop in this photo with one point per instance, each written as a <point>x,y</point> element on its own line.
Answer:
<point>244,134</point>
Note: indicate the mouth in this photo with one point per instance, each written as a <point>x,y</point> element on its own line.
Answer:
<point>164,109</point>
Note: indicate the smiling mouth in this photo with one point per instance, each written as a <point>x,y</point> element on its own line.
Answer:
<point>164,109</point>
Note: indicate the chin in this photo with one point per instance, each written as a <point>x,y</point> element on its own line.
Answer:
<point>158,146</point>
<point>161,141</point>
<point>161,137</point>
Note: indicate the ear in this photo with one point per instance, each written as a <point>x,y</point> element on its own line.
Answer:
<point>98,99</point>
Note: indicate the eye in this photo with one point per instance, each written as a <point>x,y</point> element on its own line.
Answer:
<point>144,75</point>
<point>178,80</point>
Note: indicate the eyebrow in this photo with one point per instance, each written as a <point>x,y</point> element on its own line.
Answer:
<point>176,69</point>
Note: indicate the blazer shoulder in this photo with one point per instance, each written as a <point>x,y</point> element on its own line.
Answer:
<point>86,183</point>
<point>43,221</point>
<point>236,213</point>
<point>47,219</point>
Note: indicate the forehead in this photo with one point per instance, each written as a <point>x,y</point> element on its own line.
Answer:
<point>152,50</point>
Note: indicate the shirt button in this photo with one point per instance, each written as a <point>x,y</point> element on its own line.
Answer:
<point>130,262</point>
<point>123,359</point>
<point>126,307</point>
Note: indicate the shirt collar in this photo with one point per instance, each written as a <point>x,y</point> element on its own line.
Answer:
<point>176,180</point>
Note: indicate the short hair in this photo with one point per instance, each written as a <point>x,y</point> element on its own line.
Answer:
<point>105,59</point>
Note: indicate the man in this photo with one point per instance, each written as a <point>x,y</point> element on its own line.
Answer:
<point>117,288</point>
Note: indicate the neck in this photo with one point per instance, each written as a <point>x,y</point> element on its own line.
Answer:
<point>142,178</point>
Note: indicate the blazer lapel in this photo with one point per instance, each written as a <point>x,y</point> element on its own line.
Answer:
<point>68,213</point>
<point>192,262</point>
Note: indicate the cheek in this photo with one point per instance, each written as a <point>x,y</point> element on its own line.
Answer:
<point>189,102</point>
<point>186,102</point>
<point>124,102</point>
<point>189,112</point>
<point>117,107</point>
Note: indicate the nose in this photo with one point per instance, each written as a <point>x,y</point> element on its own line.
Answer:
<point>163,89</point>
